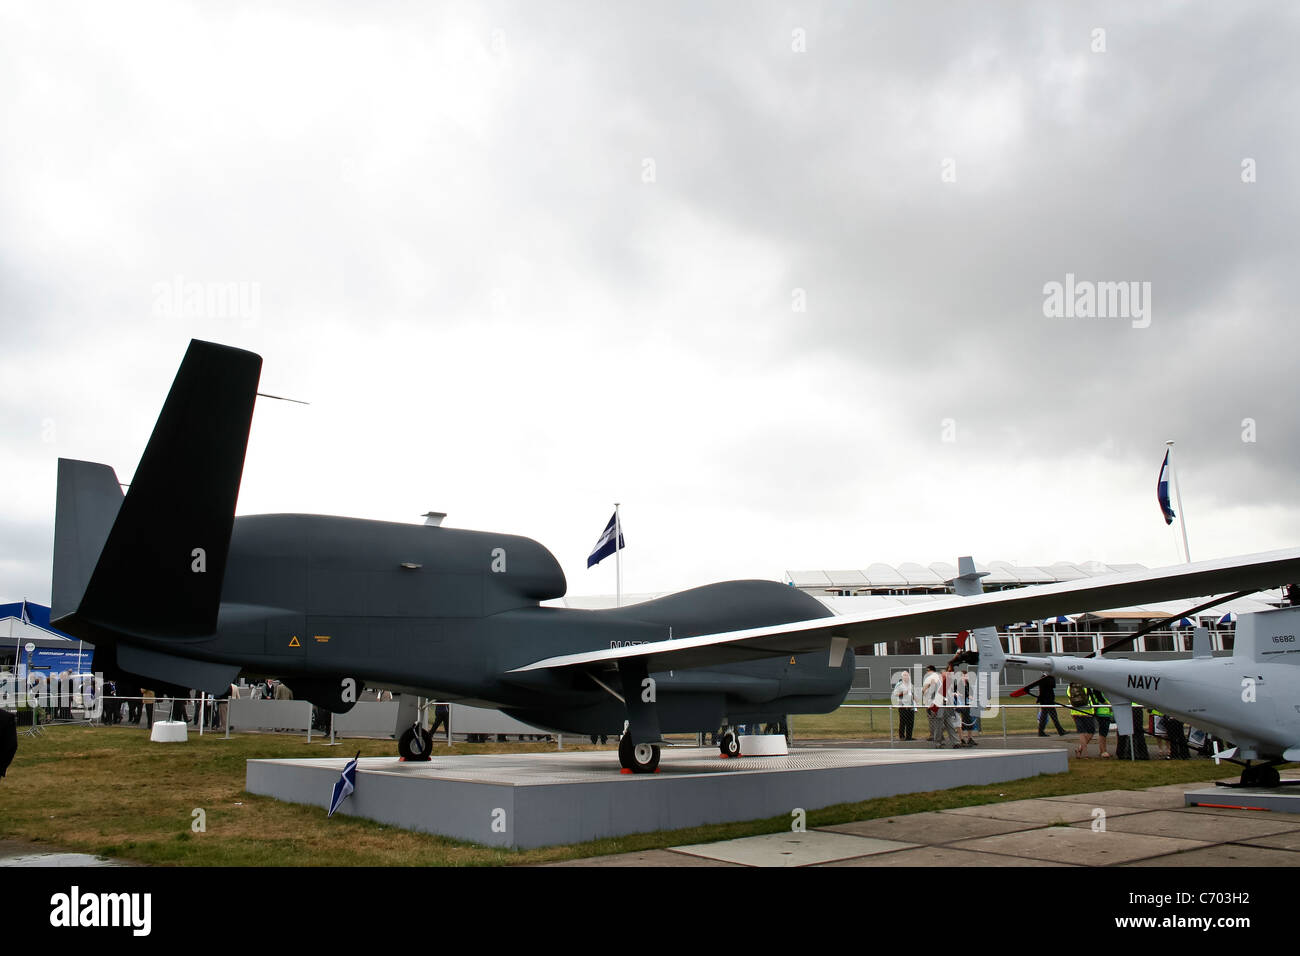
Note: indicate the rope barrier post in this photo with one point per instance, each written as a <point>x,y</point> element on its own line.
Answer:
<point>891,724</point>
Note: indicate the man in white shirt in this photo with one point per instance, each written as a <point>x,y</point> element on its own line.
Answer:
<point>932,700</point>
<point>949,720</point>
<point>904,698</point>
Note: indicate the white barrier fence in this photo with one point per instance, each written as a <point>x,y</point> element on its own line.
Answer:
<point>377,719</point>
<point>367,718</point>
<point>483,720</point>
<point>271,715</point>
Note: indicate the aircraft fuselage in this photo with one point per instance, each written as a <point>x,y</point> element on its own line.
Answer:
<point>447,613</point>
<point>1243,701</point>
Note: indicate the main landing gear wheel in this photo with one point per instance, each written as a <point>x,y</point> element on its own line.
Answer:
<point>729,744</point>
<point>639,758</point>
<point>1260,776</point>
<point>415,744</point>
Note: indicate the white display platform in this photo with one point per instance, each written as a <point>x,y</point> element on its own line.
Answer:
<point>763,745</point>
<point>169,732</point>
<point>530,800</point>
<point>1277,799</point>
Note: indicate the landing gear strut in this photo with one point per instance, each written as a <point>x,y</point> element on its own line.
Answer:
<point>639,758</point>
<point>415,744</point>
<point>1260,775</point>
<point>1257,775</point>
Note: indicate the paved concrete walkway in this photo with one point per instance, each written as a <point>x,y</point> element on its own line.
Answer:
<point>1112,828</point>
<point>1020,740</point>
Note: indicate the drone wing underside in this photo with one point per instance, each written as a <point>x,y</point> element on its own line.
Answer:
<point>835,634</point>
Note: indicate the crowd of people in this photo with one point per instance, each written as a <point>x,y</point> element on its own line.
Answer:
<point>128,703</point>
<point>950,701</point>
<point>66,697</point>
<point>948,698</point>
<point>131,705</point>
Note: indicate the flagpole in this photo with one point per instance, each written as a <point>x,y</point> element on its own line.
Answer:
<point>18,644</point>
<point>1178,497</point>
<point>618,559</point>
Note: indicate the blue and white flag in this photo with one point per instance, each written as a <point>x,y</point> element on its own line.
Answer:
<point>611,540</point>
<point>344,786</point>
<point>1162,491</point>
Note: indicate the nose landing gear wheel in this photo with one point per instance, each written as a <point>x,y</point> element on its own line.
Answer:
<point>729,744</point>
<point>639,758</point>
<point>415,744</point>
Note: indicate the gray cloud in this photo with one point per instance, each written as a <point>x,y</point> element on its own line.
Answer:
<point>458,261</point>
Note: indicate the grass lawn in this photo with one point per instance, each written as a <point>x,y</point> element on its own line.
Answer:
<point>109,791</point>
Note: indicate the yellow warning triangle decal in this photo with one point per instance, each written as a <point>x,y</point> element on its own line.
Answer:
<point>293,641</point>
<point>791,660</point>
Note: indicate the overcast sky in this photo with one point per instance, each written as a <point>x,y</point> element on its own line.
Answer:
<point>772,275</point>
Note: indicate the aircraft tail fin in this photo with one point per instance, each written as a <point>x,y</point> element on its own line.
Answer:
<point>967,583</point>
<point>86,504</point>
<point>161,568</point>
<point>1268,637</point>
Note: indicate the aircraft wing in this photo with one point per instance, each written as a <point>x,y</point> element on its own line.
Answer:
<point>833,634</point>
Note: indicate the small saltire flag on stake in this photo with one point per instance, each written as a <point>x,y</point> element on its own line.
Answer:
<point>1162,491</point>
<point>344,786</point>
<point>611,540</point>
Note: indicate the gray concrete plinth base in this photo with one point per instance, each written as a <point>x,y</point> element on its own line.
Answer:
<point>532,800</point>
<point>1279,799</point>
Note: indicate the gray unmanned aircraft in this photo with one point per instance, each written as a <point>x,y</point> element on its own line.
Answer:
<point>1251,699</point>
<point>172,588</point>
